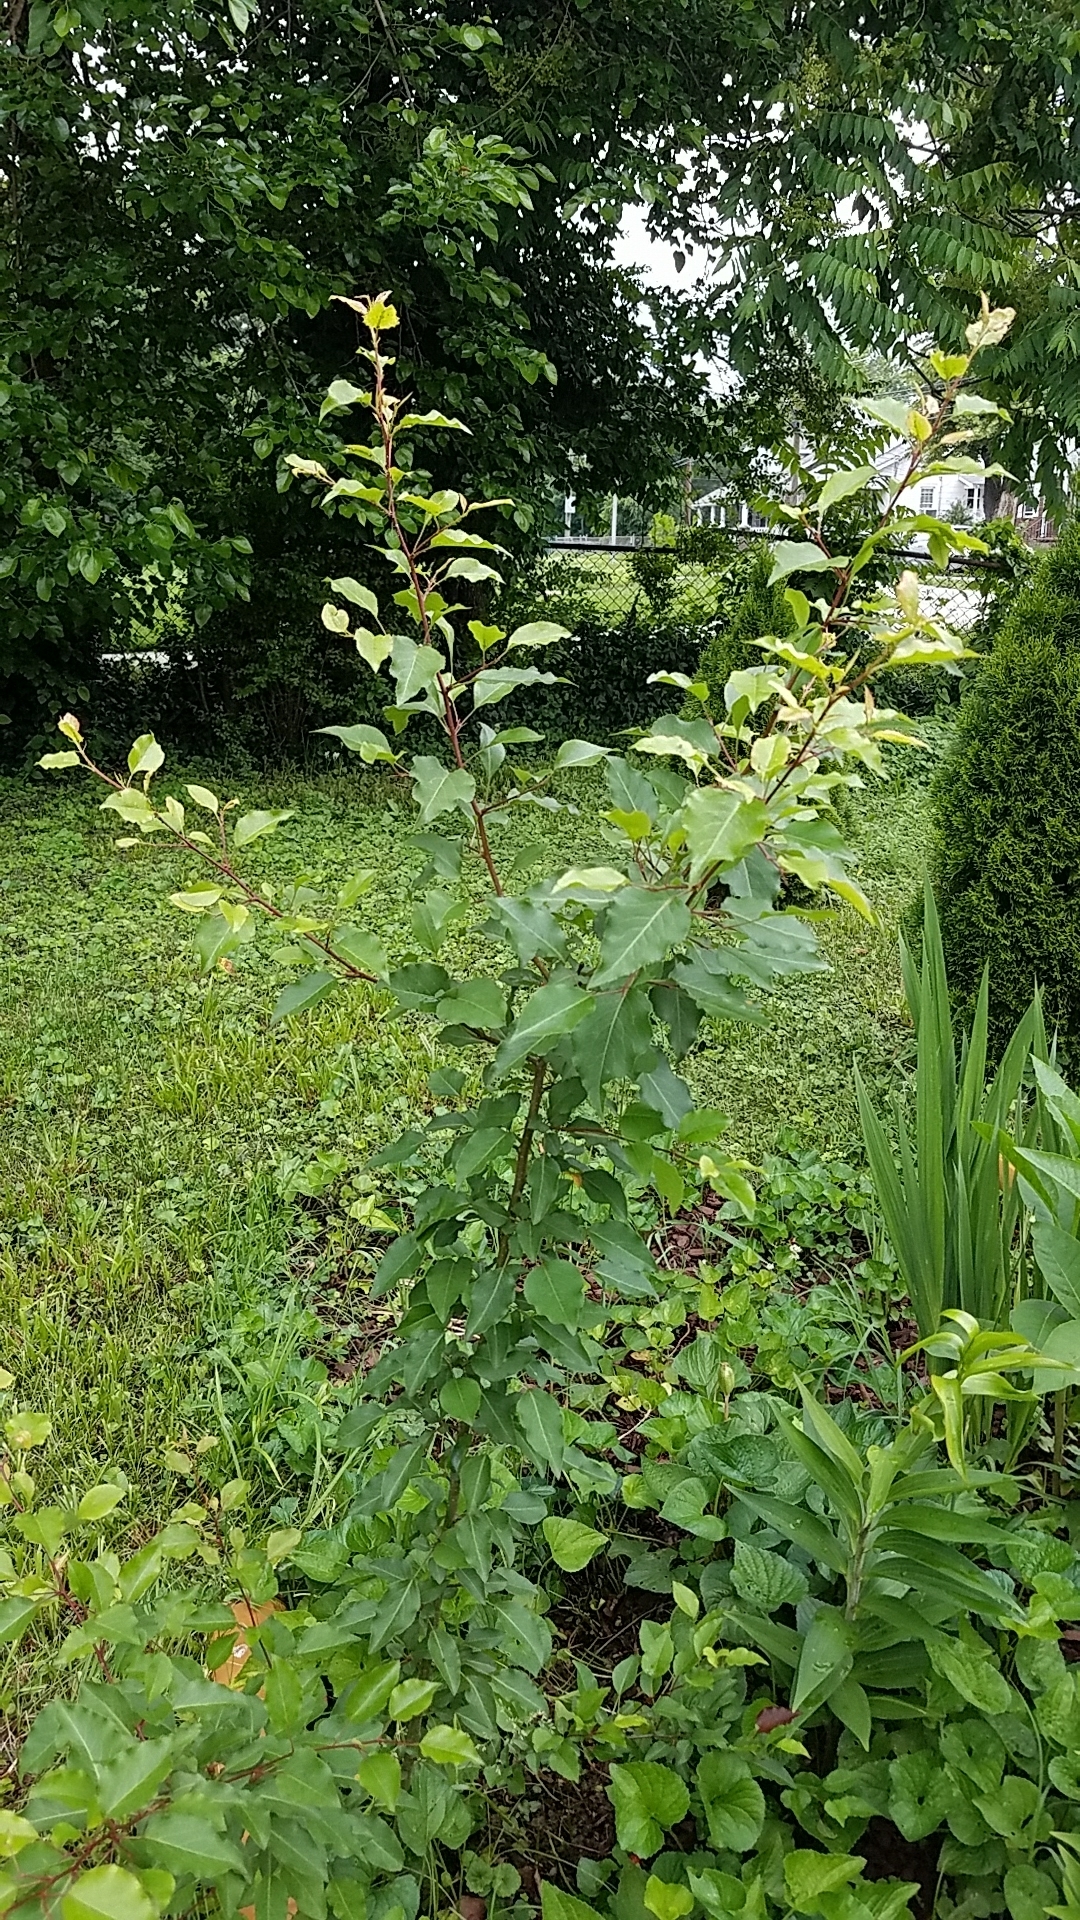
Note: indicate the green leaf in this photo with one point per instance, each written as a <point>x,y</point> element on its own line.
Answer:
<point>107,1893</point>
<point>556,1291</point>
<point>53,761</point>
<point>380,1775</point>
<point>15,1833</point>
<point>640,927</point>
<point>1012,1806</point>
<point>360,596</point>
<point>667,1899</point>
<point>920,1794</point>
<point>130,1783</point>
<point>145,756</point>
<point>189,1843</point>
<point>808,1875</point>
<point>547,1016</point>
<point>572,1545</point>
<point>414,668</point>
<point>537,633</point>
<point>15,1616</point>
<point>461,1399</point>
<point>557,1905</point>
<point>647,1798</point>
<point>613,1042</point>
<point>361,949</point>
<point>283,1692</point>
<point>1057,1256</point>
<point>529,927</point>
<point>473,1003</point>
<point>721,828</point>
<point>826,1657</point>
<point>98,1501</point>
<point>891,411</point>
<point>198,900</point>
<point>1029,1893</point>
<point>368,1695</point>
<point>496,682</point>
<point>412,1697</point>
<point>440,789</point>
<point>340,394</point>
<point>467,567</point>
<point>302,993</point>
<point>539,1416</point>
<point>799,556</point>
<point>203,797</point>
<point>765,1580</point>
<point>734,1803</point>
<point>574,753</point>
<point>251,826</point>
<point>449,1747</point>
<point>374,648</point>
<point>978,1679</point>
<point>369,742</point>
<point>839,486</point>
<point>26,1430</point>
<point>526,1637</point>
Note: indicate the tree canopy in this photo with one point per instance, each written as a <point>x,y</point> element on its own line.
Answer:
<point>186,186</point>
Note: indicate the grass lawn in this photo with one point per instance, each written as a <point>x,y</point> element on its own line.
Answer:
<point>179,1182</point>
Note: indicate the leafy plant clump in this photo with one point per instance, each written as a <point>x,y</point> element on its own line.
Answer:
<point>824,1650</point>
<point>1007,844</point>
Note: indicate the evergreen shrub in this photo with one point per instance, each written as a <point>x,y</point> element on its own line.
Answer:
<point>1006,861</point>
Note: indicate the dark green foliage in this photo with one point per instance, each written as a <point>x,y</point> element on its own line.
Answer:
<point>196,184</point>
<point>1007,860</point>
<point>1010,566</point>
<point>252,684</point>
<point>755,609</point>
<point>656,569</point>
<point>607,670</point>
<point>260,678</point>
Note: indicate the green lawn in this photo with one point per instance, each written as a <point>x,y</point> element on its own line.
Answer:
<point>157,1261</point>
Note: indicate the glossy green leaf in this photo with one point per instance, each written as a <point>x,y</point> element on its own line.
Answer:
<point>189,1843</point>
<point>809,1874</point>
<point>537,633</point>
<point>449,1747</point>
<point>379,1774</point>
<point>547,1016</point>
<point>721,828</point>
<point>263,820</point>
<point>640,928</point>
<point>440,789</point>
<point>799,556</point>
<point>555,1289</point>
<point>648,1798</point>
<point>412,1697</point>
<point>359,595</point>
<point>303,993</point>
<point>734,1803</point>
<point>571,1544</point>
<point>107,1893</point>
<point>96,1502</point>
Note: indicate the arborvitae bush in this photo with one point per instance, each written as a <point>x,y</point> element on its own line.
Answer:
<point>1007,811</point>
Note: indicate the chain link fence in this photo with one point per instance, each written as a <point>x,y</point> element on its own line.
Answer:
<point>612,586</point>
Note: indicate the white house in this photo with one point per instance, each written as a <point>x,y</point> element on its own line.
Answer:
<point>948,496</point>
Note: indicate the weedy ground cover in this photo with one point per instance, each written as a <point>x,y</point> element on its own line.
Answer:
<point>173,1167</point>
